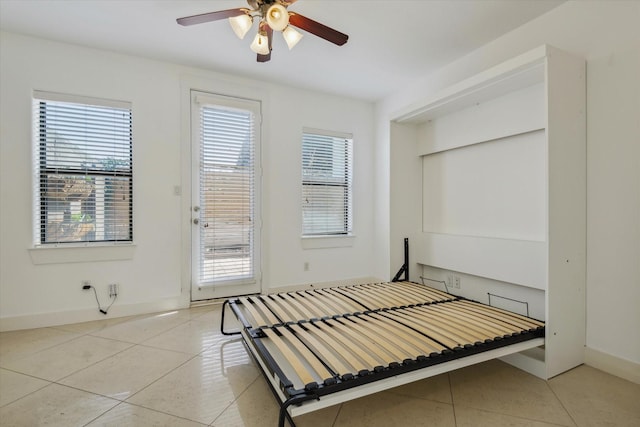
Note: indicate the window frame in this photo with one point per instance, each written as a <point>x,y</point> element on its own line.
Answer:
<point>43,172</point>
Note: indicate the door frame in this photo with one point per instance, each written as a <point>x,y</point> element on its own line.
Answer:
<point>189,84</point>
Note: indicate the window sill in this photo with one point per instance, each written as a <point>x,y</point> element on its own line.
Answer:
<point>62,254</point>
<point>325,242</point>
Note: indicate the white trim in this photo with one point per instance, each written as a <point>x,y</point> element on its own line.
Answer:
<point>89,252</point>
<point>43,320</point>
<point>79,99</point>
<point>332,133</point>
<point>613,365</point>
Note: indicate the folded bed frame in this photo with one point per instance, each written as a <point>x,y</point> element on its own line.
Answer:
<point>320,347</point>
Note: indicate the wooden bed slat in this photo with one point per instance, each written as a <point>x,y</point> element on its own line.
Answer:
<point>484,323</point>
<point>275,304</point>
<point>319,348</point>
<point>357,361</point>
<point>264,310</point>
<point>463,335</point>
<point>501,315</point>
<point>354,350</point>
<point>350,305</point>
<point>299,297</point>
<point>295,363</point>
<point>397,347</point>
<point>425,328</point>
<point>373,300</point>
<point>334,305</point>
<point>423,344</point>
<point>322,372</point>
<point>257,317</point>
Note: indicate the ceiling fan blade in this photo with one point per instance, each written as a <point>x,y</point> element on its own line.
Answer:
<point>267,57</point>
<point>317,28</point>
<point>211,16</point>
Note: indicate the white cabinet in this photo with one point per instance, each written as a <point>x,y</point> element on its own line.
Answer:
<point>493,172</point>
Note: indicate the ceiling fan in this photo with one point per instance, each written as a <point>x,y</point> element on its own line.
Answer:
<point>273,16</point>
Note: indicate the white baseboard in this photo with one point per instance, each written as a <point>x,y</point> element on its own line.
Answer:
<point>612,365</point>
<point>43,320</point>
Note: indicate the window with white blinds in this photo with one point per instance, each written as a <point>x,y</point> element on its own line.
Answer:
<point>83,170</point>
<point>227,194</point>
<point>327,162</point>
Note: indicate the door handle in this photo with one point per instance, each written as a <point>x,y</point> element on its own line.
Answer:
<point>196,221</point>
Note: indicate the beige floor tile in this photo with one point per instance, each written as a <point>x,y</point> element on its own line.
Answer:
<point>142,328</point>
<point>594,398</point>
<point>321,418</point>
<point>17,344</point>
<point>434,388</point>
<point>228,349</point>
<point>255,407</point>
<point>497,387</point>
<point>126,373</point>
<point>388,409</point>
<point>64,359</point>
<point>199,390</point>
<point>471,417</point>
<point>214,317</point>
<point>196,312</point>
<point>55,405</point>
<point>126,415</point>
<point>13,386</point>
<point>191,337</point>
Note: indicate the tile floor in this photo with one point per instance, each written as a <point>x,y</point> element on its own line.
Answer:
<point>176,369</point>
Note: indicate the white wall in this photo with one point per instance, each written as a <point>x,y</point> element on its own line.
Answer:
<point>157,275</point>
<point>607,35</point>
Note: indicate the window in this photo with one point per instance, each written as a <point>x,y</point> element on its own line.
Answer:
<point>83,164</point>
<point>327,159</point>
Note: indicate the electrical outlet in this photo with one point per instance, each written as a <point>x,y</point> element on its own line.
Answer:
<point>113,290</point>
<point>456,283</point>
<point>306,266</point>
<point>450,281</point>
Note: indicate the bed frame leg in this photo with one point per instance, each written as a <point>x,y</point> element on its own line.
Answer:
<point>285,414</point>
<point>224,305</point>
<point>405,267</point>
<point>291,401</point>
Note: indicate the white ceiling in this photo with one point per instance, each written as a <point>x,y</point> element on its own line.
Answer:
<point>390,42</point>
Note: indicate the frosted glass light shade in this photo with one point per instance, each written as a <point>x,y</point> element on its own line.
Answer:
<point>277,17</point>
<point>241,24</point>
<point>291,36</point>
<point>260,44</point>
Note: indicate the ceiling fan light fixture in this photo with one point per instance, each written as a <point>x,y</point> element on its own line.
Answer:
<point>241,24</point>
<point>260,44</point>
<point>277,17</point>
<point>291,36</point>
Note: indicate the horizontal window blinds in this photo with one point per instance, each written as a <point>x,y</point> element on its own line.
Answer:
<point>327,162</point>
<point>83,164</point>
<point>227,163</point>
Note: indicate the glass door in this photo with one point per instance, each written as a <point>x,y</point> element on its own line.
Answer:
<point>225,195</point>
